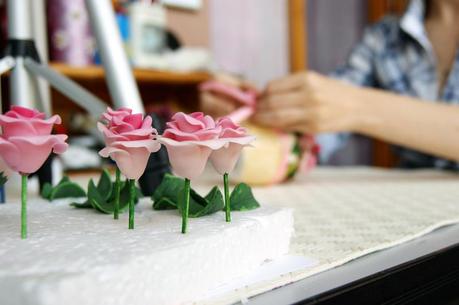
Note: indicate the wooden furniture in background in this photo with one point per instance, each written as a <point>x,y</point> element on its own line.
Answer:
<point>297,35</point>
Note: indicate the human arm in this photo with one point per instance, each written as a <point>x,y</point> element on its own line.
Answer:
<point>311,103</point>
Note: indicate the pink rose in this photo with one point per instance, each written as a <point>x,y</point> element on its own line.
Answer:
<point>129,140</point>
<point>4,169</point>
<point>26,141</point>
<point>189,140</point>
<point>110,114</point>
<point>235,138</point>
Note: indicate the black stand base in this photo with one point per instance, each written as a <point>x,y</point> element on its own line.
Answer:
<point>158,164</point>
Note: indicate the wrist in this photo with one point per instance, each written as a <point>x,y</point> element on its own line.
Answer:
<point>363,110</point>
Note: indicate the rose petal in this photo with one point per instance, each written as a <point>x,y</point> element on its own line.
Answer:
<point>188,161</point>
<point>225,158</point>
<point>212,144</point>
<point>135,120</point>
<point>110,113</point>
<point>21,126</point>
<point>151,145</point>
<point>10,154</point>
<point>246,140</point>
<point>179,135</point>
<point>20,112</point>
<point>188,123</point>
<point>33,151</point>
<point>4,169</point>
<point>131,161</point>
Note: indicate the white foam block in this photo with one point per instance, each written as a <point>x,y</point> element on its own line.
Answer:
<point>75,256</point>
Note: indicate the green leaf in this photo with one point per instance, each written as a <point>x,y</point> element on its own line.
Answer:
<point>169,196</point>
<point>46,191</point>
<point>97,200</point>
<point>105,186</point>
<point>67,190</point>
<point>3,179</point>
<point>125,196</point>
<point>164,204</point>
<point>213,203</point>
<point>64,189</point>
<point>83,205</point>
<point>242,198</point>
<point>63,180</point>
<point>169,188</point>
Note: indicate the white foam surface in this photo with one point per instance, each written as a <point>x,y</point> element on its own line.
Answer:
<point>75,256</point>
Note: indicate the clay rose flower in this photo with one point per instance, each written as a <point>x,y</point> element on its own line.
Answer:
<point>110,114</point>
<point>4,169</point>
<point>190,139</point>
<point>26,140</point>
<point>129,140</point>
<point>235,138</point>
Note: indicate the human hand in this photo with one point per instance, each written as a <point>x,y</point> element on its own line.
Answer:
<point>218,104</point>
<point>308,102</point>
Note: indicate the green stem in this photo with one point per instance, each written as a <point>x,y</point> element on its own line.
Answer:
<point>131,203</point>
<point>186,208</point>
<point>117,193</point>
<point>227,198</point>
<point>24,207</point>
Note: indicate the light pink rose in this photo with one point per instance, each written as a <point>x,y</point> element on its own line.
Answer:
<point>129,140</point>
<point>26,141</point>
<point>235,138</point>
<point>190,139</point>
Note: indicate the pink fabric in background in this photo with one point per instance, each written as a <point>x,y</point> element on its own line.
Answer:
<point>70,37</point>
<point>250,38</point>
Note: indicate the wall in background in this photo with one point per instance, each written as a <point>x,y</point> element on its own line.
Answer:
<point>250,38</point>
<point>333,28</point>
<point>191,26</point>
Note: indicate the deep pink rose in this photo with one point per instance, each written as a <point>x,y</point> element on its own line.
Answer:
<point>235,138</point>
<point>190,139</point>
<point>129,140</point>
<point>26,140</point>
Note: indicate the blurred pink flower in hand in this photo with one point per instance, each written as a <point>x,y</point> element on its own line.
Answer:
<point>26,141</point>
<point>129,140</point>
<point>190,139</point>
<point>235,138</point>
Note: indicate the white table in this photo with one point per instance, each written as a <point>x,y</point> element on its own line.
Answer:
<point>384,264</point>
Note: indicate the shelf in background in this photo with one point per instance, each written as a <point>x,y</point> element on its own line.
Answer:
<point>90,73</point>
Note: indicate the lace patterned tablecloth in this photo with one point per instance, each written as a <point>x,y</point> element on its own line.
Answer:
<point>343,214</point>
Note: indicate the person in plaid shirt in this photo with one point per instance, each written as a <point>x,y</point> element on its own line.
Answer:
<point>399,84</point>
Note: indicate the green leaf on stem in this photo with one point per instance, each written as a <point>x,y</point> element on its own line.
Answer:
<point>100,203</point>
<point>169,196</point>
<point>167,193</point>
<point>64,189</point>
<point>242,198</point>
<point>214,203</point>
<point>104,185</point>
<point>102,196</point>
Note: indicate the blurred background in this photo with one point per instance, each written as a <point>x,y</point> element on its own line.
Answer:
<point>174,45</point>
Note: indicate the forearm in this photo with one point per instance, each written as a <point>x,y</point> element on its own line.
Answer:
<point>425,126</point>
